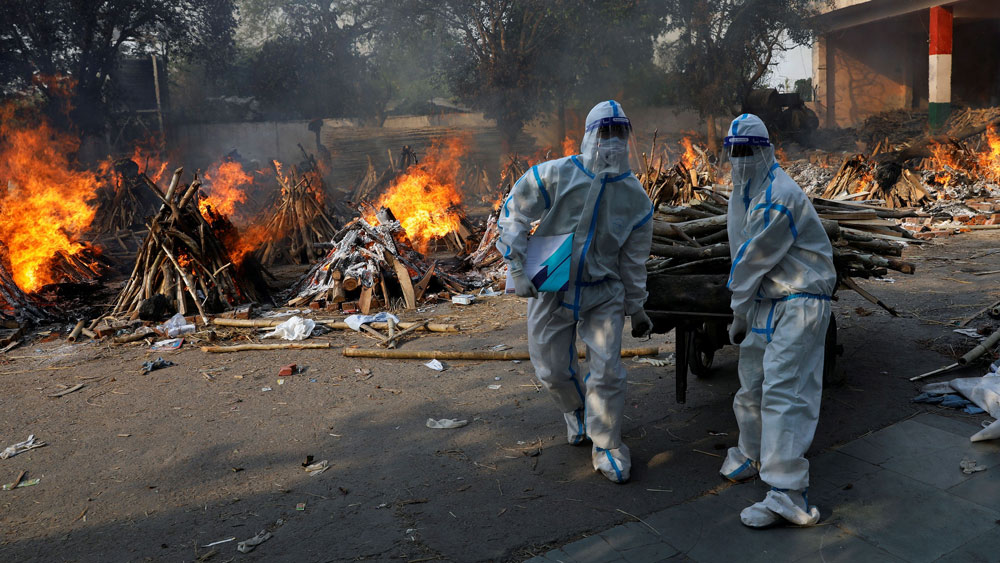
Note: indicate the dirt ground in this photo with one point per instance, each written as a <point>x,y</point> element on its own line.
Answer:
<point>153,467</point>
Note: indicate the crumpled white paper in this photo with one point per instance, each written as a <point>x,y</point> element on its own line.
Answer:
<point>21,447</point>
<point>355,321</point>
<point>985,393</point>
<point>435,365</point>
<point>295,328</point>
<point>446,423</point>
<point>246,546</point>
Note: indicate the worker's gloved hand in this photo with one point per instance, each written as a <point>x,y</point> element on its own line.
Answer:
<point>641,325</point>
<point>738,330</point>
<point>523,286</point>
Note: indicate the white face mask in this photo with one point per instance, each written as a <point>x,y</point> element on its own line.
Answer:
<point>612,153</point>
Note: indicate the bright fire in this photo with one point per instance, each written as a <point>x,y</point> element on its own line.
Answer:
<point>426,200</point>
<point>689,158</point>
<point>989,162</point>
<point>44,202</point>
<point>570,147</point>
<point>223,183</point>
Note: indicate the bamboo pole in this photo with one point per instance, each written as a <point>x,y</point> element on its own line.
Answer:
<point>74,335</point>
<point>280,346</point>
<point>982,348</point>
<point>470,355</point>
<point>330,323</point>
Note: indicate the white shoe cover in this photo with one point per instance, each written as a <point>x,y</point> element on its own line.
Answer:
<point>614,464</point>
<point>776,506</point>
<point>576,427</point>
<point>738,467</point>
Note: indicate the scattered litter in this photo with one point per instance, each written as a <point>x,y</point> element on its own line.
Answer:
<point>176,326</point>
<point>227,540</point>
<point>273,314</point>
<point>166,345</point>
<point>35,481</point>
<point>489,292</point>
<point>435,365</point>
<point>446,423</point>
<point>969,466</point>
<point>516,361</point>
<point>295,328</point>
<point>493,387</point>
<point>355,321</point>
<point>970,332</point>
<point>500,348</point>
<point>67,391</point>
<point>263,389</point>
<point>158,363</point>
<point>314,469</point>
<point>21,447</point>
<point>312,380</point>
<point>883,280</point>
<point>497,378</point>
<point>281,382</point>
<point>383,505</point>
<point>657,362</point>
<point>463,299</point>
<point>300,506</point>
<point>247,546</point>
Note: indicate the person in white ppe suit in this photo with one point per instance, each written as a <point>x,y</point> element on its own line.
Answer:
<point>781,279</point>
<point>595,205</point>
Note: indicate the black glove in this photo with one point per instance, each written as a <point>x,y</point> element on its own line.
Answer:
<point>641,325</point>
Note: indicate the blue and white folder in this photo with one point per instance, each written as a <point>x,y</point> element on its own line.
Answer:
<point>547,262</point>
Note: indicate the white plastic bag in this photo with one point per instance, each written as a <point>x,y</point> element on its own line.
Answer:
<point>295,328</point>
<point>176,326</point>
<point>446,423</point>
<point>355,321</point>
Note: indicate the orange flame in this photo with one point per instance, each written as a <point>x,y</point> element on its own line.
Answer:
<point>570,147</point>
<point>989,162</point>
<point>223,182</point>
<point>781,155</point>
<point>426,199</point>
<point>689,158</point>
<point>44,203</point>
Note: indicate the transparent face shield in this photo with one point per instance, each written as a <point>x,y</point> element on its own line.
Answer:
<point>747,157</point>
<point>613,149</point>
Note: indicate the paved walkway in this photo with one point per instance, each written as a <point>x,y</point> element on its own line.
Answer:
<point>894,495</point>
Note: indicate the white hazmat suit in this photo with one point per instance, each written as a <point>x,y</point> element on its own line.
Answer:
<point>782,278</point>
<point>595,198</point>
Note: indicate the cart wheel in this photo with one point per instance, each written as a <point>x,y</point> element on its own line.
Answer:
<point>701,353</point>
<point>831,376</point>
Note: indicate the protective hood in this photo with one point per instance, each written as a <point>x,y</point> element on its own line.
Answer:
<point>607,140</point>
<point>749,150</point>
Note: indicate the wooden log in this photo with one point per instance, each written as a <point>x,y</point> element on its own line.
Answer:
<point>331,323</point>
<point>471,354</point>
<point>409,296</point>
<point>279,346</point>
<point>691,253</point>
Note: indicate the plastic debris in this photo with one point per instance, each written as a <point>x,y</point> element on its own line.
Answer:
<point>969,466</point>
<point>227,540</point>
<point>489,292</point>
<point>21,447</point>
<point>657,362</point>
<point>493,387</point>
<point>314,469</point>
<point>435,365</point>
<point>158,363</point>
<point>300,506</point>
<point>355,321</point>
<point>170,344</point>
<point>463,299</point>
<point>446,423</point>
<point>176,326</point>
<point>500,348</point>
<point>36,480</point>
<point>263,389</point>
<point>246,546</point>
<point>295,328</point>
<point>970,332</point>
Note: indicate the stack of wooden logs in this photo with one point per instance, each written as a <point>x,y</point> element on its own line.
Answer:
<point>677,184</point>
<point>298,221</point>
<point>183,260</point>
<point>486,259</point>
<point>124,203</point>
<point>691,251</point>
<point>370,266</point>
<point>861,178</point>
<point>15,305</point>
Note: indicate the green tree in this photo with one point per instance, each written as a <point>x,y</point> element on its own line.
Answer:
<point>720,50</point>
<point>84,42</point>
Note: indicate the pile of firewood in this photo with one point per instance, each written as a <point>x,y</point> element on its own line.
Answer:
<point>15,305</point>
<point>369,266</point>
<point>184,263</point>
<point>298,221</point>
<point>691,252</point>
<point>124,203</point>
<point>862,178</point>
<point>678,183</point>
<point>486,259</point>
